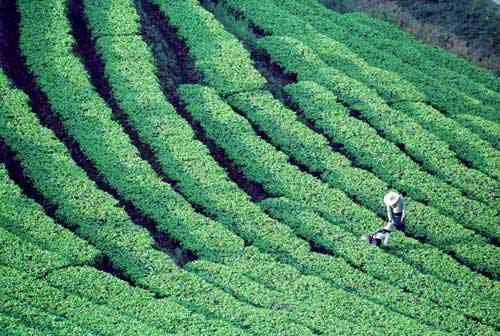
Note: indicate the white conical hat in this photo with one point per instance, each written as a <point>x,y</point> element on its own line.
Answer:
<point>391,198</point>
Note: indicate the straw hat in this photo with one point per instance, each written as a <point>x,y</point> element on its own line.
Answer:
<point>391,198</point>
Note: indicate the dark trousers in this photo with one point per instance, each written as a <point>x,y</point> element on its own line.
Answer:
<point>399,223</point>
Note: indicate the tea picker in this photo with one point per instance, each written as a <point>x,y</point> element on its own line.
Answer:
<point>395,205</point>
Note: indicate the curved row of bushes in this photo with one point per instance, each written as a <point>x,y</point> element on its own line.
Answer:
<point>20,318</point>
<point>341,55</point>
<point>99,219</point>
<point>313,151</point>
<point>391,164</point>
<point>93,318</point>
<point>201,180</point>
<point>486,129</point>
<point>344,28</point>
<point>432,153</point>
<point>210,56</point>
<point>164,314</point>
<point>27,257</point>
<point>262,163</point>
<point>371,26</point>
<point>468,145</point>
<point>347,28</point>
<point>27,220</point>
<point>86,117</point>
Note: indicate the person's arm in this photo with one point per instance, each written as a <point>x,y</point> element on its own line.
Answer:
<point>389,214</point>
<point>385,242</point>
<point>403,210</point>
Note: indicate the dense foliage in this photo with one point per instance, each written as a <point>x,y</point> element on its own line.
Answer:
<point>264,167</point>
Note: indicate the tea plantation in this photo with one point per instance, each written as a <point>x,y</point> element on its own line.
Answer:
<point>185,167</point>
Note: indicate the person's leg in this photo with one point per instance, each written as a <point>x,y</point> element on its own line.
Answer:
<point>398,222</point>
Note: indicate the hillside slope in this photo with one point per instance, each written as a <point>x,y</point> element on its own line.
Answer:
<point>469,29</point>
<point>184,167</point>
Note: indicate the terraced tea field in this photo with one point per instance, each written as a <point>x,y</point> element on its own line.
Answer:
<point>184,167</point>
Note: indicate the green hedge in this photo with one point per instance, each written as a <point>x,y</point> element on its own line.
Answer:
<point>290,54</point>
<point>88,119</point>
<point>439,56</point>
<point>16,327</point>
<point>47,323</point>
<point>437,82</point>
<point>49,29</point>
<point>27,219</point>
<point>24,256</point>
<point>486,129</point>
<point>276,21</point>
<point>164,314</point>
<point>171,145</point>
<point>112,18</point>
<point>468,146</point>
<point>217,54</point>
<point>129,68</point>
<point>262,163</point>
<point>102,320</point>
<point>313,151</point>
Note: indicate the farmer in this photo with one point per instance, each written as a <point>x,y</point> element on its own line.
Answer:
<point>395,205</point>
<point>396,220</point>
